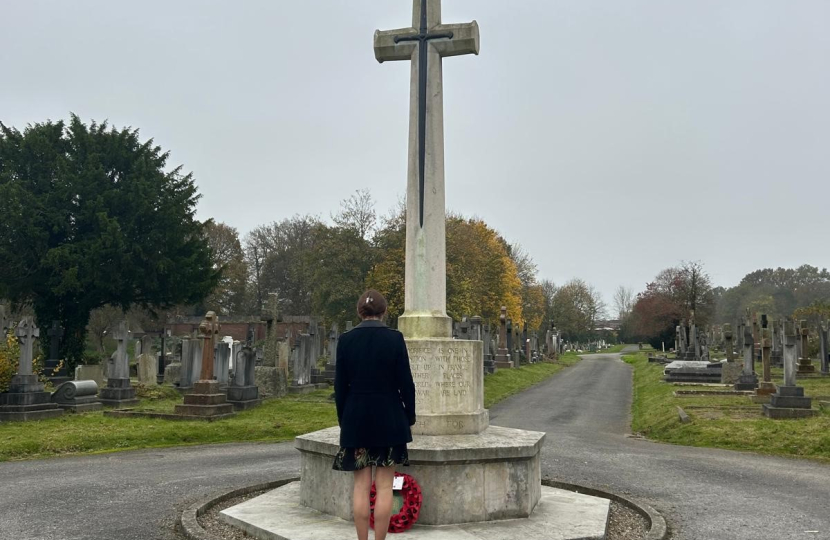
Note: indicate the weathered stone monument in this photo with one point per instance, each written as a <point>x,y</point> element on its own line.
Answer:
<point>331,365</point>
<point>454,443</point>
<point>26,398</point>
<point>53,367</point>
<point>824,350</point>
<point>222,364</point>
<point>243,392</point>
<point>503,360</point>
<point>206,401</point>
<point>191,367</point>
<point>765,387</point>
<point>731,368</point>
<point>77,396</point>
<point>748,379</point>
<point>789,401</point>
<point>469,472</point>
<point>119,393</point>
<point>805,364</point>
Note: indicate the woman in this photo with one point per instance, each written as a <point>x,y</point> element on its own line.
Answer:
<point>375,399</point>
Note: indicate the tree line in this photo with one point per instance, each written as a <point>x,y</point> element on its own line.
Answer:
<point>686,291</point>
<point>94,223</point>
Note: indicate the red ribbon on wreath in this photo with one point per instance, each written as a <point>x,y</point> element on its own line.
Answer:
<point>412,499</point>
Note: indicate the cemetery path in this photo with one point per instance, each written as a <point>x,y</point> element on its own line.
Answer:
<point>705,494</point>
<point>128,495</point>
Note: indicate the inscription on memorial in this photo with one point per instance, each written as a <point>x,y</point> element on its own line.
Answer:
<point>443,378</point>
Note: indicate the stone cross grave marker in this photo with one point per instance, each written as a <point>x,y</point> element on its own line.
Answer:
<point>727,338</point>
<point>790,353</point>
<point>26,333</point>
<point>209,328</point>
<point>121,367</point>
<point>425,44</point>
<point>748,380</point>
<point>805,364</point>
<point>55,334</point>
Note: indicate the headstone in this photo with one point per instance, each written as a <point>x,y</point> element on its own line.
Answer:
<point>148,369</point>
<point>53,367</point>
<point>748,380</point>
<point>331,365</point>
<point>805,364</point>
<point>503,360</point>
<point>777,357</point>
<point>26,398</point>
<point>90,373</point>
<point>77,396</point>
<point>191,362</point>
<point>243,392</point>
<point>789,401</point>
<point>731,370</point>
<point>301,376</point>
<point>824,349</point>
<point>222,364</point>
<point>765,388</point>
<point>118,393</point>
<point>207,401</point>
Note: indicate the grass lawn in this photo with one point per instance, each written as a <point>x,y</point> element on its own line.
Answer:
<point>275,420</point>
<point>732,422</point>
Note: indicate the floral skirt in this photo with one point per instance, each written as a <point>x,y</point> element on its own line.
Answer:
<point>354,459</point>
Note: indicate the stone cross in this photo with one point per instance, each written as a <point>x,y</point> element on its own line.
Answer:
<point>766,346</point>
<point>503,328</point>
<point>209,328</point>
<point>425,44</point>
<point>790,354</point>
<point>727,337</point>
<point>121,367</point>
<point>749,351</point>
<point>55,334</point>
<point>804,331</point>
<point>26,333</point>
<point>334,336</point>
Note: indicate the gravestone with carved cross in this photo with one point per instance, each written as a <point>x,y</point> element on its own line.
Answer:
<point>207,401</point>
<point>119,393</point>
<point>789,400</point>
<point>26,399</point>
<point>53,367</point>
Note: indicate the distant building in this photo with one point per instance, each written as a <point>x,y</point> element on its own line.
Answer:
<point>610,325</point>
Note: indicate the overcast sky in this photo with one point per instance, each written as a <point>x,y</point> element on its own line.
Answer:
<point>611,139</point>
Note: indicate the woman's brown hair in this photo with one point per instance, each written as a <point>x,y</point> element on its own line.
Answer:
<point>371,304</point>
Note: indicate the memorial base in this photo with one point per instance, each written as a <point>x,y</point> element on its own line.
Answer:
<point>493,475</point>
<point>765,389</point>
<point>560,515</point>
<point>730,372</point>
<point>206,401</point>
<point>27,401</point>
<point>243,397</point>
<point>306,388</point>
<point>789,402</point>
<point>805,366</point>
<point>118,394</point>
<point>747,382</point>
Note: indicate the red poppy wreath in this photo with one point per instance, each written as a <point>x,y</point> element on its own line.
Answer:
<point>411,507</point>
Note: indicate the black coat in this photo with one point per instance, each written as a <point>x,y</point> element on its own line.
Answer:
<point>373,387</point>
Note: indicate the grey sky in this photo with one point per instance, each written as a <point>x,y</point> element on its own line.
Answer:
<point>710,118</point>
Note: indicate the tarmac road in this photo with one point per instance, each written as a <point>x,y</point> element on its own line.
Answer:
<point>704,494</point>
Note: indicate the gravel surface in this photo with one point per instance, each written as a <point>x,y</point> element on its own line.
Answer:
<point>624,523</point>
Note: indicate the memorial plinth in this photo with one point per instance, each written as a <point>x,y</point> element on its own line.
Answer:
<point>488,476</point>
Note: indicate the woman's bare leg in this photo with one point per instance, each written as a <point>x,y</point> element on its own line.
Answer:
<point>362,489</point>
<point>383,501</point>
